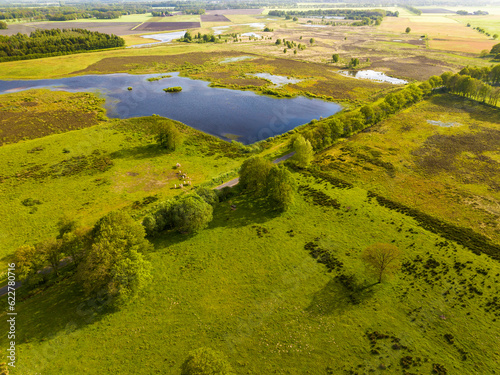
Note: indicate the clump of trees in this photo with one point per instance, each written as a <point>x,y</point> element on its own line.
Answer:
<point>109,258</point>
<point>3,25</point>
<point>304,153</point>
<point>43,43</point>
<point>114,264</point>
<point>198,38</point>
<point>188,214</point>
<point>260,177</point>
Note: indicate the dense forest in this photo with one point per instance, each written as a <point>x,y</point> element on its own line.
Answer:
<point>66,13</point>
<point>43,43</point>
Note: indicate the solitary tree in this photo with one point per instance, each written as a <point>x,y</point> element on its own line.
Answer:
<point>311,40</point>
<point>205,361</point>
<point>114,264</point>
<point>382,259</point>
<point>495,49</point>
<point>253,174</point>
<point>303,151</point>
<point>168,136</point>
<point>3,25</point>
<point>280,187</point>
<point>407,30</point>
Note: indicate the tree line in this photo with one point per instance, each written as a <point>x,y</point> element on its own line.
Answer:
<point>486,74</point>
<point>347,13</point>
<point>473,88</point>
<point>324,133</point>
<point>43,43</point>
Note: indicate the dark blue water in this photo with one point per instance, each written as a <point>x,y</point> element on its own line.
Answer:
<point>216,111</point>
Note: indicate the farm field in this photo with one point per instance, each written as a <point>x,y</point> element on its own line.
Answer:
<point>444,33</point>
<point>274,292</point>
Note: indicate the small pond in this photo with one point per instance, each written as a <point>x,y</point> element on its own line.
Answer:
<point>444,124</point>
<point>238,58</point>
<point>162,38</point>
<point>276,80</point>
<point>314,25</point>
<point>217,111</point>
<point>251,34</point>
<point>373,76</point>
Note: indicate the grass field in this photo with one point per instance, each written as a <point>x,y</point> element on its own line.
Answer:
<point>449,172</point>
<point>104,167</point>
<point>248,287</point>
<point>252,285</point>
<point>443,33</point>
<point>490,23</point>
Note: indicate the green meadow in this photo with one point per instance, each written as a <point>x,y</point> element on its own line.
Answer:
<point>249,287</point>
<point>275,292</point>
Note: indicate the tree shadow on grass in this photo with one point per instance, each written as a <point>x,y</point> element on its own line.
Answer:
<point>239,211</point>
<point>340,293</point>
<point>457,104</point>
<point>58,309</point>
<point>243,210</point>
<point>139,152</point>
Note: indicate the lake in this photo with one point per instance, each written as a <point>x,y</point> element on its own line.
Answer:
<point>216,111</point>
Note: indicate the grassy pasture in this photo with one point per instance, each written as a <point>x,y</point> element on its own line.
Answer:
<point>443,33</point>
<point>448,172</point>
<point>106,167</point>
<point>490,23</point>
<point>247,286</point>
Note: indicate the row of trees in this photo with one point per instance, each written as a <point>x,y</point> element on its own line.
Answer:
<point>199,38</point>
<point>323,133</point>
<point>486,74</point>
<point>109,258</point>
<point>347,13</point>
<point>52,42</point>
<point>472,88</point>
